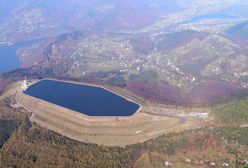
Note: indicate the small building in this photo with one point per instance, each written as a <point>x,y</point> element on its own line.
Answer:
<point>167,164</point>
<point>211,163</point>
<point>225,165</point>
<point>188,160</point>
<point>24,85</point>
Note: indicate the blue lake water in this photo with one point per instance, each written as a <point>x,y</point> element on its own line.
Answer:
<point>213,16</point>
<point>88,100</point>
<point>209,16</point>
<point>8,58</point>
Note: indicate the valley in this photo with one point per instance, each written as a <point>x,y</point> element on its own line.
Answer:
<point>182,64</point>
<point>132,84</point>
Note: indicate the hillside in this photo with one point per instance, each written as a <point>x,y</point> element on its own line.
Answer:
<point>22,20</point>
<point>26,144</point>
<point>187,64</point>
<point>29,19</point>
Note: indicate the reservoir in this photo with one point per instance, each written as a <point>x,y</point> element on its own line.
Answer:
<point>8,58</point>
<point>85,99</point>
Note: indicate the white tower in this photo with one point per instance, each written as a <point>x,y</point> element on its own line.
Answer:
<point>24,84</point>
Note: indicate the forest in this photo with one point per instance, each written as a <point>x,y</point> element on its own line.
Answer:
<point>26,144</point>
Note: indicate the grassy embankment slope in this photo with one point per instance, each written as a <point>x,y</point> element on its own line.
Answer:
<point>29,145</point>
<point>110,131</point>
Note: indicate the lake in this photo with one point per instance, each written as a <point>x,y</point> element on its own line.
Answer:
<point>213,16</point>
<point>85,99</point>
<point>210,16</point>
<point>8,58</point>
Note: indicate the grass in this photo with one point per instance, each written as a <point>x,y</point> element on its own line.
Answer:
<point>7,127</point>
<point>34,146</point>
<point>103,130</point>
<point>233,112</point>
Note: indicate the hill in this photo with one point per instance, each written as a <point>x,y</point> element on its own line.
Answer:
<point>186,63</point>
<point>29,19</point>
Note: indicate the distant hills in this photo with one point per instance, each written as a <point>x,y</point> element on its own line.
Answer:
<point>170,53</point>
<point>23,19</point>
<point>27,19</point>
<point>178,47</point>
<point>179,67</point>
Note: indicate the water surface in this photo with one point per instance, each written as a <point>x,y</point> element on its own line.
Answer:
<point>8,58</point>
<point>89,100</point>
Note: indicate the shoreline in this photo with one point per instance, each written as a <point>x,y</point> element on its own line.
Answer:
<point>92,85</point>
<point>102,130</point>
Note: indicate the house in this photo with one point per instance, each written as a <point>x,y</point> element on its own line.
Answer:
<point>211,163</point>
<point>167,164</point>
<point>225,165</point>
<point>24,85</point>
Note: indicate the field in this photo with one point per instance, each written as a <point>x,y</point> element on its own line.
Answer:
<point>150,122</point>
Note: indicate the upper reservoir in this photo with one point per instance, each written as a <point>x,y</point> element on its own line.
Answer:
<point>85,99</point>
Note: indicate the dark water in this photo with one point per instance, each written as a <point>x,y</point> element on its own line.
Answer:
<point>89,100</point>
<point>213,16</point>
<point>8,58</point>
<point>210,16</point>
